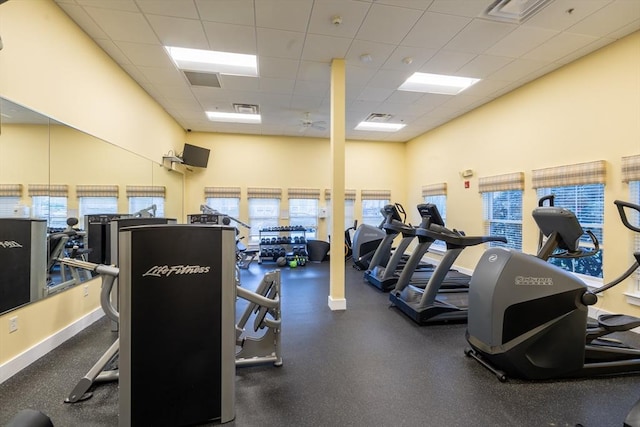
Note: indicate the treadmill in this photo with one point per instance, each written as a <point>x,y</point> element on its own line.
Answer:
<point>415,271</point>
<point>437,303</point>
<point>385,277</point>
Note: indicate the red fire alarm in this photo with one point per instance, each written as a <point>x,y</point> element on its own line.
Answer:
<point>466,184</point>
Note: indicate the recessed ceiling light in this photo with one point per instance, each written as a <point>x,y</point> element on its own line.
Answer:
<point>210,61</point>
<point>216,116</point>
<point>437,83</point>
<point>379,127</point>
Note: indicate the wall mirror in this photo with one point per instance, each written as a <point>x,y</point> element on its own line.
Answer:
<point>50,172</point>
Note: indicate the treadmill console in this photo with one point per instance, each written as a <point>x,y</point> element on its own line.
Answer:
<point>429,210</point>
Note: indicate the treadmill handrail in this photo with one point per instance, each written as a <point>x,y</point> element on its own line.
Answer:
<point>438,232</point>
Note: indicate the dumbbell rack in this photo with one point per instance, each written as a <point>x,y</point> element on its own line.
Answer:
<point>284,241</point>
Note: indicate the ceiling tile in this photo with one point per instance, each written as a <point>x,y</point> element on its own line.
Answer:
<point>277,67</point>
<point>375,94</point>
<point>241,83</point>
<point>231,37</point>
<point>123,5</point>
<point>485,88</point>
<point>351,12</point>
<point>379,53</point>
<point>280,44</point>
<point>521,41</point>
<point>146,55</point>
<point>389,79</point>
<point>80,16</point>
<point>416,55</point>
<point>358,75</point>
<point>174,8</point>
<point>135,73</point>
<point>479,36</point>
<point>559,46</point>
<point>314,71</point>
<point>179,32</point>
<point>409,4</point>
<point>324,48</point>
<point>387,24</point>
<point>276,85</point>
<point>319,89</point>
<point>434,30</point>
<point>305,103</point>
<point>468,8</point>
<point>516,70</point>
<point>113,51</point>
<point>287,15</point>
<point>609,19</point>
<point>361,106</point>
<point>227,11</point>
<point>162,76</point>
<point>123,26</point>
<point>403,97</point>
<point>556,16</point>
<point>483,65</point>
<point>446,62</point>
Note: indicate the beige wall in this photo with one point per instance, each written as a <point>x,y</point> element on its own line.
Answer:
<point>51,66</point>
<point>288,162</point>
<point>588,110</point>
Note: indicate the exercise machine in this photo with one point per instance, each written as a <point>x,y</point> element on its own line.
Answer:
<point>386,277</point>
<point>98,373</point>
<point>528,317</point>
<point>264,305</point>
<point>436,302</point>
<point>364,243</point>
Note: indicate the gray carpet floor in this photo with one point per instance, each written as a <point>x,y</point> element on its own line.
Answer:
<point>367,366</point>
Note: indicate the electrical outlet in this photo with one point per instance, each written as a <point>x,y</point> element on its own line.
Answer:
<point>13,324</point>
<point>86,290</point>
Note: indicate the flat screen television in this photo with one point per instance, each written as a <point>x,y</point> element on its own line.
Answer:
<point>193,155</point>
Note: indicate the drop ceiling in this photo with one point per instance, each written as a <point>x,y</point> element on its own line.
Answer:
<point>295,41</point>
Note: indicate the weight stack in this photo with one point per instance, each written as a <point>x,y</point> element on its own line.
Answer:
<point>177,317</point>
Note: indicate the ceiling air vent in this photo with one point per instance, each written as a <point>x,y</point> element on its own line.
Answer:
<point>516,11</point>
<point>378,117</point>
<point>202,79</point>
<point>246,108</point>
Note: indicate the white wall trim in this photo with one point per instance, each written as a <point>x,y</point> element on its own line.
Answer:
<point>337,304</point>
<point>27,357</point>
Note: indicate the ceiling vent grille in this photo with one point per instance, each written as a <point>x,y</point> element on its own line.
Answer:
<point>378,117</point>
<point>515,11</point>
<point>246,108</point>
<point>202,79</point>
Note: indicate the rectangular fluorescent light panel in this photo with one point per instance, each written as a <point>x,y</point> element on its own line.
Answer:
<point>437,83</point>
<point>215,116</point>
<point>379,127</point>
<point>210,61</point>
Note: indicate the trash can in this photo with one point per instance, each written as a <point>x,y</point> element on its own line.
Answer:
<point>317,250</point>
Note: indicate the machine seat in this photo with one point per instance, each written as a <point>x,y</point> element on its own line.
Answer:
<point>618,322</point>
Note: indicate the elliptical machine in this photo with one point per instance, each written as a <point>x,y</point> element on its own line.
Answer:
<point>528,318</point>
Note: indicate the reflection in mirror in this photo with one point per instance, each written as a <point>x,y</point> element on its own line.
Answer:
<point>52,177</point>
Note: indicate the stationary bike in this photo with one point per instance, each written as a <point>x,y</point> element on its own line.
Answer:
<point>528,318</point>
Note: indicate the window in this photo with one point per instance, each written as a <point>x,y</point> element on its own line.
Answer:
<point>304,212</point>
<point>502,206</point>
<point>503,217</point>
<point>349,209</point>
<point>7,206</point>
<point>263,213</point>
<point>96,205</point>
<point>227,205</point>
<point>51,208</point>
<point>634,189</point>
<point>440,200</point>
<point>587,203</point>
<point>371,214</point>
<point>139,203</point>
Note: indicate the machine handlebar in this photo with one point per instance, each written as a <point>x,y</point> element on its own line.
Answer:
<point>438,232</point>
<point>623,215</point>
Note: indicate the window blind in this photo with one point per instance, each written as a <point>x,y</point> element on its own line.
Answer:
<point>375,195</point>
<point>577,174</point>
<point>97,191</point>
<point>264,193</point>
<point>303,193</point>
<point>348,194</point>
<point>10,190</point>
<point>434,190</point>
<point>222,192</point>
<point>631,168</point>
<point>504,182</point>
<point>145,191</point>
<point>51,190</point>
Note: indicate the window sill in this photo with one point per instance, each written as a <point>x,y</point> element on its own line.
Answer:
<point>633,298</point>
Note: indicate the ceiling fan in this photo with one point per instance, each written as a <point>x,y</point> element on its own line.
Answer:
<point>307,123</point>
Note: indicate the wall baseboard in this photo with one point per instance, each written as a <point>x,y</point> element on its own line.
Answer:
<point>27,357</point>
